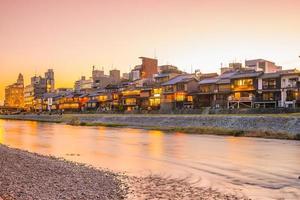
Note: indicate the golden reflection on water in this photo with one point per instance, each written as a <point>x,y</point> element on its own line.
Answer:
<point>140,151</point>
<point>1,132</point>
<point>238,148</point>
<point>155,143</point>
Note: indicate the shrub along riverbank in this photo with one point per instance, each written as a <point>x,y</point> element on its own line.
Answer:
<point>280,126</point>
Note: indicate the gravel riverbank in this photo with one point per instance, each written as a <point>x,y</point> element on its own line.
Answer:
<point>30,176</point>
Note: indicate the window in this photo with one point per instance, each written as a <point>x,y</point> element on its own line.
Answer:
<point>243,82</point>
<point>292,82</point>
<point>206,88</point>
<point>130,101</point>
<point>269,84</point>
<point>180,87</point>
<point>269,96</point>
<point>168,88</point>
<point>102,98</point>
<point>292,95</point>
<point>154,102</point>
<point>224,87</point>
<point>180,97</point>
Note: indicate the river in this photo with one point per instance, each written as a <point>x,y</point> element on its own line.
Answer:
<point>258,168</point>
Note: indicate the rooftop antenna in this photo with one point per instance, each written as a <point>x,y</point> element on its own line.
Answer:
<point>93,67</point>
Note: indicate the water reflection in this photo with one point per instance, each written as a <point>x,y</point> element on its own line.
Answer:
<point>257,167</point>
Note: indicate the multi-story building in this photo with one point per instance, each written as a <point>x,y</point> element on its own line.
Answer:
<point>244,87</point>
<point>269,90</point>
<point>50,82</point>
<point>14,94</point>
<point>115,75</point>
<point>83,85</point>
<point>125,76</point>
<point>214,92</point>
<point>176,92</point>
<point>290,88</point>
<point>166,72</point>
<point>149,67</point>
<point>100,80</point>
<point>146,70</point>
<point>131,98</point>
<point>262,65</point>
<point>235,66</point>
<point>34,92</point>
<point>135,74</point>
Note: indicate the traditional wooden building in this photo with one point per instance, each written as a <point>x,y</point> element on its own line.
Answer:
<point>70,102</point>
<point>98,101</point>
<point>244,87</point>
<point>131,98</point>
<point>155,98</point>
<point>214,92</point>
<point>176,92</point>
<point>269,90</point>
<point>290,88</point>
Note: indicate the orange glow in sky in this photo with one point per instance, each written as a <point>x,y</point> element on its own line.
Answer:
<point>72,35</point>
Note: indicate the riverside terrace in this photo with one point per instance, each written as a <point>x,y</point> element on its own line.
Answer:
<point>231,90</point>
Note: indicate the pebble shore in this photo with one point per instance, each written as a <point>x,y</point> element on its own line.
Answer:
<point>29,176</point>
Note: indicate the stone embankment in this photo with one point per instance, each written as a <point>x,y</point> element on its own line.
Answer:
<point>275,126</point>
<point>30,176</point>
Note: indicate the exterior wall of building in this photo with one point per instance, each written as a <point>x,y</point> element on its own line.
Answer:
<point>37,88</point>
<point>289,83</point>
<point>262,65</point>
<point>115,75</point>
<point>83,84</point>
<point>14,94</point>
<point>149,67</point>
<point>50,81</point>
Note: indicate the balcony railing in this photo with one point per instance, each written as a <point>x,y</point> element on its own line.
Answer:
<point>230,98</point>
<point>243,87</point>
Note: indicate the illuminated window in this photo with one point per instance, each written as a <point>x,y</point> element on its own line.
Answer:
<point>130,101</point>
<point>180,97</point>
<point>102,98</point>
<point>269,84</point>
<point>243,82</point>
<point>131,92</point>
<point>154,102</point>
<point>269,96</point>
<point>115,96</point>
<point>206,88</point>
<point>224,87</point>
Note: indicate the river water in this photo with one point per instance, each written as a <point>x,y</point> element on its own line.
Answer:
<point>257,168</point>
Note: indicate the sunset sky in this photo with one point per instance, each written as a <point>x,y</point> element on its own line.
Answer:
<point>72,35</point>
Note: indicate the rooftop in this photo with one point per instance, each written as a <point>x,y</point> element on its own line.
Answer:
<point>179,79</point>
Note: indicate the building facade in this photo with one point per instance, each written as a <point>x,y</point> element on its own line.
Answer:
<point>14,94</point>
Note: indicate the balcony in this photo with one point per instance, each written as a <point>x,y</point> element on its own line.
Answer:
<point>231,98</point>
<point>243,87</point>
